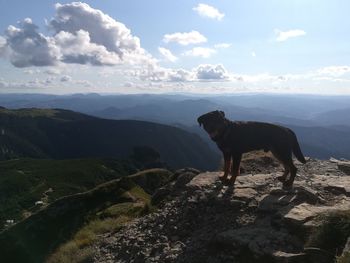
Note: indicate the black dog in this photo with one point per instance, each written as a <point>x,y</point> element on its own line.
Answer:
<point>235,138</point>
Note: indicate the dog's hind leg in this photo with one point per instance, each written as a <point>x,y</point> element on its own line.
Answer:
<point>285,157</point>
<point>236,161</point>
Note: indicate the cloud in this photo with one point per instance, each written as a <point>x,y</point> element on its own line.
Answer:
<point>334,71</point>
<point>284,35</point>
<point>223,45</point>
<point>211,72</point>
<point>65,78</point>
<point>180,75</point>
<point>187,38</point>
<point>253,54</point>
<point>167,54</point>
<point>200,52</point>
<point>3,47</point>
<point>31,71</point>
<point>204,72</point>
<point>77,48</point>
<point>205,10</point>
<point>52,71</point>
<point>103,30</point>
<point>28,47</point>
<point>82,35</point>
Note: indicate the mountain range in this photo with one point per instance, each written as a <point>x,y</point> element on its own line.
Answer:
<point>63,134</point>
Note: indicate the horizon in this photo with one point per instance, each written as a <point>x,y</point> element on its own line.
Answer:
<point>211,47</point>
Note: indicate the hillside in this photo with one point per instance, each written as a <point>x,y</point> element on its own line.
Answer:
<point>60,134</point>
<point>80,217</point>
<point>23,182</point>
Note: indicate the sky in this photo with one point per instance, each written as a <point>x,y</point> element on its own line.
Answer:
<point>185,46</point>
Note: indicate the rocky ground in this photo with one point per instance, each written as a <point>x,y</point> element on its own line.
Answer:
<point>202,220</point>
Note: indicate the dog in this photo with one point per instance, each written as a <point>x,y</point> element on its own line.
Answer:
<point>236,137</point>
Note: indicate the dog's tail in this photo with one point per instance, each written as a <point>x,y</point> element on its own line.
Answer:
<point>296,148</point>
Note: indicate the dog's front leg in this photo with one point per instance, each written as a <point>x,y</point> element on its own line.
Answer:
<point>236,161</point>
<point>227,166</point>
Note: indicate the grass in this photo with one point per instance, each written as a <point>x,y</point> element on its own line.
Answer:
<point>79,249</point>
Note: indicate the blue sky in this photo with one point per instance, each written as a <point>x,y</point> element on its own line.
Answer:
<point>134,46</point>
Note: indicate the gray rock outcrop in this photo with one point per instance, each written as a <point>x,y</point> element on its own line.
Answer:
<point>202,220</point>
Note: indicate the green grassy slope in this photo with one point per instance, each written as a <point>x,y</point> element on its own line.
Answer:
<point>33,239</point>
<point>25,181</point>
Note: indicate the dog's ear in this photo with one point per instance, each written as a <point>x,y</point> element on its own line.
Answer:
<point>222,113</point>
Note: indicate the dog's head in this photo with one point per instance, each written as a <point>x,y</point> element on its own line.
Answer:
<point>213,122</point>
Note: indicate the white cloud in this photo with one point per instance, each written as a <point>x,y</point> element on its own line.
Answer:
<point>28,47</point>
<point>167,54</point>
<point>103,29</point>
<point>334,71</point>
<point>82,35</point>
<point>200,52</point>
<point>253,54</point>
<point>284,35</point>
<point>77,48</point>
<point>223,45</point>
<point>204,72</point>
<point>52,71</point>
<point>31,71</point>
<point>180,75</point>
<point>205,10</point>
<point>211,72</point>
<point>186,38</point>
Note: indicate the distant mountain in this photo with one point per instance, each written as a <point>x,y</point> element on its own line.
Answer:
<point>54,133</point>
<point>186,112</point>
<point>293,108</point>
<point>320,119</point>
<point>334,117</point>
<point>324,142</point>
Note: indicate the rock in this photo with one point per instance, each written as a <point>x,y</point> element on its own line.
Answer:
<point>183,179</point>
<point>302,213</point>
<point>337,189</point>
<point>253,221</point>
<point>245,194</point>
<point>260,240</point>
<point>334,160</point>
<point>179,172</point>
<point>344,167</point>
<point>284,257</point>
<point>306,194</point>
<point>272,203</point>
<point>159,195</point>
<point>204,180</point>
<point>346,251</point>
